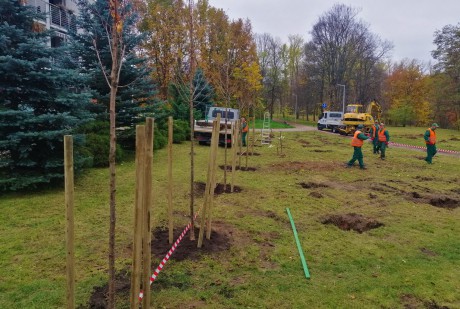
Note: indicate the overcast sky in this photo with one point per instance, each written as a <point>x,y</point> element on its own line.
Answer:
<point>408,24</point>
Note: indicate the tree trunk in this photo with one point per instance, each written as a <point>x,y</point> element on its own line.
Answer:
<point>113,144</point>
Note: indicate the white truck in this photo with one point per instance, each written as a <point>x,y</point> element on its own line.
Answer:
<point>203,128</point>
<point>330,120</point>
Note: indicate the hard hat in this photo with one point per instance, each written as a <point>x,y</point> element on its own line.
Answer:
<point>435,125</point>
<point>360,126</point>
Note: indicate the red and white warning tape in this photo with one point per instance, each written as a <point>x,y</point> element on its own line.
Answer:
<point>168,255</point>
<point>420,147</point>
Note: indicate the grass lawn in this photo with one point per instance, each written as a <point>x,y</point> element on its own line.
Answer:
<point>410,260</point>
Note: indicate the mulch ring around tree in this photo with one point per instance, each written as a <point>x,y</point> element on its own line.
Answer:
<point>221,240</point>
<point>200,187</point>
<point>242,168</point>
<point>352,221</point>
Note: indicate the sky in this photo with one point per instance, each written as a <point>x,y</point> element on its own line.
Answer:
<point>408,24</point>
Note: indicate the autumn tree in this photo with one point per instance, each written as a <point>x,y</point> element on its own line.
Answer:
<point>407,90</point>
<point>447,75</point>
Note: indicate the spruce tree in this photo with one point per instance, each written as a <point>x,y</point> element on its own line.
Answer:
<point>135,95</point>
<point>203,93</point>
<point>41,100</point>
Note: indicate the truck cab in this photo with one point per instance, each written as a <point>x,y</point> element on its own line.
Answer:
<point>203,127</point>
<point>330,120</point>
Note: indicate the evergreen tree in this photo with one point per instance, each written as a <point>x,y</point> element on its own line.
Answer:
<point>135,96</point>
<point>203,93</point>
<point>41,100</point>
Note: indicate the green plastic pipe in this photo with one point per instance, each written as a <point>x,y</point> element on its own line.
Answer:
<point>299,247</point>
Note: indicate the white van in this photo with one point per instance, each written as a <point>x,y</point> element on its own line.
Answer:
<point>330,120</point>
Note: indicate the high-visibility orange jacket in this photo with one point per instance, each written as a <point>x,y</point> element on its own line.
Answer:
<point>245,127</point>
<point>356,142</point>
<point>382,136</point>
<point>432,139</point>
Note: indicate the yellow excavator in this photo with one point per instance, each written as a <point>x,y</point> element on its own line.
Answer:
<point>355,115</point>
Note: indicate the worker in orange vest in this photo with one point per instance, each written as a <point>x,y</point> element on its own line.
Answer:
<point>244,130</point>
<point>430,141</point>
<point>384,138</point>
<point>373,133</point>
<point>357,142</point>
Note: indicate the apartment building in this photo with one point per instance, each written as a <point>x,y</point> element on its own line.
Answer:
<point>60,15</point>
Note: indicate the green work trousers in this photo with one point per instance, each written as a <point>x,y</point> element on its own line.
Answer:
<point>375,144</point>
<point>357,155</point>
<point>430,152</point>
<point>244,138</point>
<point>382,148</point>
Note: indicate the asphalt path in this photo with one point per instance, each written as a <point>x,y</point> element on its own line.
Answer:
<point>304,128</point>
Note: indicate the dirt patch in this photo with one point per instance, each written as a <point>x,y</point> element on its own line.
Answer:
<point>422,177</point>
<point>220,241</point>
<point>412,302</point>
<point>352,221</point>
<point>309,185</point>
<point>455,139</point>
<point>200,187</point>
<point>416,195</point>
<point>444,202</point>
<point>244,169</point>
<point>98,299</point>
<point>304,143</point>
<point>316,195</point>
<point>248,154</point>
<point>320,150</point>
<point>428,252</point>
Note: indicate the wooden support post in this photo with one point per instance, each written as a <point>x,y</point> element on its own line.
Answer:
<point>209,189</point>
<point>170,181</point>
<point>215,146</point>
<point>234,148</point>
<point>137,242</point>
<point>240,143</point>
<point>147,207</point>
<point>253,135</point>
<point>70,232</point>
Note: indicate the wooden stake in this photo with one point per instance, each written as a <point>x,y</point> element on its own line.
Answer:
<point>234,148</point>
<point>209,190</point>
<point>214,145</point>
<point>253,135</point>
<point>170,180</point>
<point>70,232</point>
<point>137,242</point>
<point>147,207</point>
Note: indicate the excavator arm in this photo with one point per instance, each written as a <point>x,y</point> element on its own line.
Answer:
<point>374,109</point>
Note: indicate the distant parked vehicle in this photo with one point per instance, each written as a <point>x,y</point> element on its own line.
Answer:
<point>330,120</point>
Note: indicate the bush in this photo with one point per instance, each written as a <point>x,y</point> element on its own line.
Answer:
<point>181,130</point>
<point>99,146</point>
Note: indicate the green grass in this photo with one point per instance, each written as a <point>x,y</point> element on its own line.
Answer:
<point>381,268</point>
<point>273,124</point>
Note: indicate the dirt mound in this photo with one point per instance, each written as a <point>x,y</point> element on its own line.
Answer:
<point>316,195</point>
<point>413,302</point>
<point>244,169</point>
<point>187,249</point>
<point>248,154</point>
<point>220,240</point>
<point>200,187</point>
<point>444,202</point>
<point>353,222</point>
<point>309,185</point>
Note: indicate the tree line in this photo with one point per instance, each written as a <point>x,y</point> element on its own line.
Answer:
<point>48,92</point>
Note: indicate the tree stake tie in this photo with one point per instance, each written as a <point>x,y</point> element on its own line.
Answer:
<point>299,247</point>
